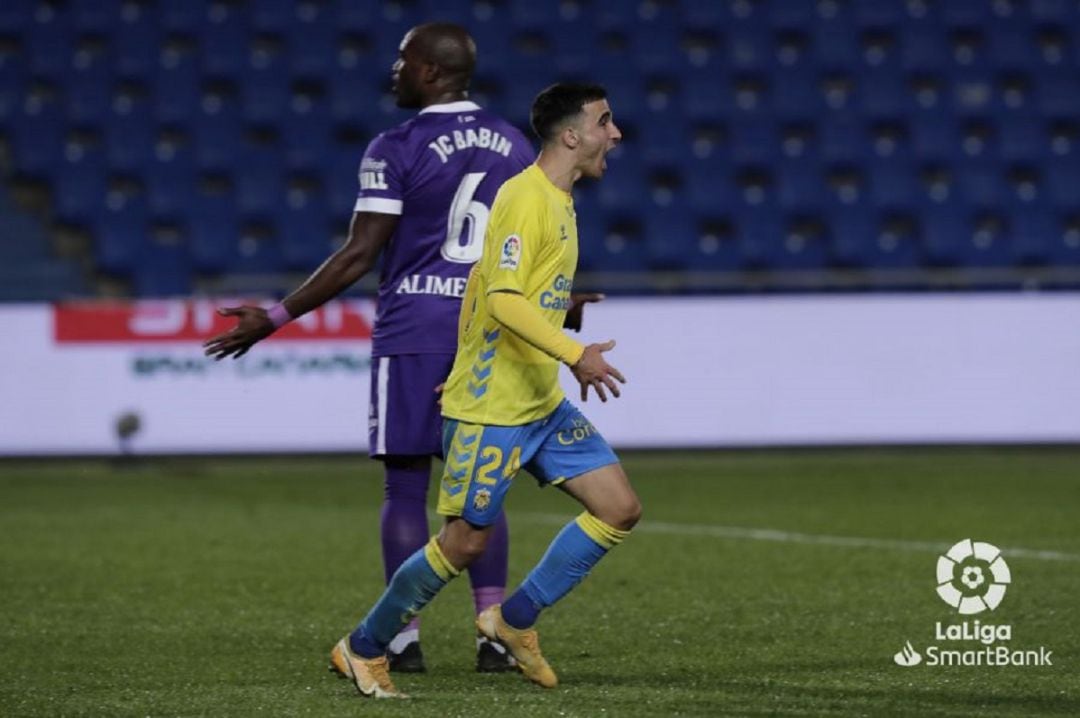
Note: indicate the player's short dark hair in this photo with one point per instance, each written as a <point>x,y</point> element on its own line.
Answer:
<point>558,103</point>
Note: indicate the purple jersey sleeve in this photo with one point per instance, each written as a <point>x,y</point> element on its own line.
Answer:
<point>380,178</point>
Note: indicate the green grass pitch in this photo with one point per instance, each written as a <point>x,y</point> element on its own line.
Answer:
<point>217,587</point>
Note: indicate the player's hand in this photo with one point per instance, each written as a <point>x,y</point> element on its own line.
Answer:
<point>253,326</point>
<point>592,370</point>
<point>576,313</point>
<point>439,390</point>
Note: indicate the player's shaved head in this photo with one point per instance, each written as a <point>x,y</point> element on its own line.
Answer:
<point>447,45</point>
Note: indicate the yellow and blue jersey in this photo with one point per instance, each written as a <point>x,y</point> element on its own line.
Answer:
<point>530,248</point>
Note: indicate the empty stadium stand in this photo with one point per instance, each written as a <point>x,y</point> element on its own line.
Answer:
<point>770,144</point>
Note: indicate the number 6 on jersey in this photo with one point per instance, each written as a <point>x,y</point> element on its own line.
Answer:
<point>466,224</point>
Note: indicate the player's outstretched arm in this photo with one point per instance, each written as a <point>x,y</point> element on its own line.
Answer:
<point>368,234</point>
<point>593,370</point>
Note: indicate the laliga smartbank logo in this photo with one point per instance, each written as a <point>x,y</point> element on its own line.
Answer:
<point>972,578</point>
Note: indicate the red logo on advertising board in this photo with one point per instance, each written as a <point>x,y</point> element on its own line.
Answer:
<point>196,321</point>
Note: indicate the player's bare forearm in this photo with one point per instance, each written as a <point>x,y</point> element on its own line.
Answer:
<point>368,234</point>
<point>339,272</point>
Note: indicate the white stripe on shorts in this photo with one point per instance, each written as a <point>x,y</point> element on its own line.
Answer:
<point>384,382</point>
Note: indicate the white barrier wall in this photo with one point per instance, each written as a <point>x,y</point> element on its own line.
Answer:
<point>702,372</point>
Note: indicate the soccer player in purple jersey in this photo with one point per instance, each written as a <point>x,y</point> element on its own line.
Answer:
<point>426,188</point>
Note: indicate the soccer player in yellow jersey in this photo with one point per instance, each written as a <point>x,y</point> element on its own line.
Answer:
<point>504,409</point>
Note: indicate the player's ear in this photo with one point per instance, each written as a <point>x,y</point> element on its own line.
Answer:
<point>429,72</point>
<point>570,137</point>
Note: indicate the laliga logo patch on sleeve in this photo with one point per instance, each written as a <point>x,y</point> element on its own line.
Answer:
<point>510,255</point>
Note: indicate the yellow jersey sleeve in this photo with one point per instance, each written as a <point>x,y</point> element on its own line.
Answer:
<point>515,232</point>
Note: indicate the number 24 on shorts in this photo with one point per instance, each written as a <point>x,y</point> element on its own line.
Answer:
<point>491,459</point>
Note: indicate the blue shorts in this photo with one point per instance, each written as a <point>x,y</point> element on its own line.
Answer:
<point>404,417</point>
<point>481,461</point>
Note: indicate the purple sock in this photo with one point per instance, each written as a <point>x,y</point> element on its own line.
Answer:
<point>487,574</point>
<point>404,519</point>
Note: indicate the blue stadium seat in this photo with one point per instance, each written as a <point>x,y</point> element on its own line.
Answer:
<point>224,41</point>
<point>835,41</point>
<point>924,48</point>
<point>258,250</point>
<point>703,14</point>
<point>136,42</point>
<point>121,232</point>
<point>843,138</point>
<point>755,140</point>
<point>177,80</point>
<point>708,186</point>
<point>760,236</point>
<point>1012,45</point>
<point>981,183</point>
<point>706,94</point>
<point>89,92</point>
<point>39,130</point>
<point>170,182</point>
<point>670,238</point>
<point>181,15</point>
<point>94,15</point>
<point>277,15</point>
<point>945,233</point>
<point>877,13</point>
<point>863,238</point>
<point>894,183</point>
<point>313,38</point>
<point>129,137</point>
<point>164,269</point>
<point>883,92</point>
<point>797,90</point>
<point>933,135</point>
<point>625,182</point>
<point>800,185</point>
<point>79,188</point>
<point>622,248</point>
<point>213,232</point>
<point>1052,10</point>
<point>260,183</point>
<point>1062,179</point>
<point>1034,229</point>
<point>353,15</point>
<point>16,15</point>
<point>1022,136</point>
<point>217,131</point>
<point>1058,92</point>
<point>341,184</point>
<point>305,234</point>
<point>265,83</point>
<point>657,43</point>
<point>1064,247</point>
<point>573,51</point>
<point>750,46</point>
<point>352,94</point>
<point>47,43</point>
<point>307,131</point>
<point>791,13</point>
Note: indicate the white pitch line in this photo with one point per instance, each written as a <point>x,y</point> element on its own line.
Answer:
<point>776,535</point>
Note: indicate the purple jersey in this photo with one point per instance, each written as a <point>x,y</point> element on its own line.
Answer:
<point>440,172</point>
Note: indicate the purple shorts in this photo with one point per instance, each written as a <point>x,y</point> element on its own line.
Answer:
<point>404,418</point>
